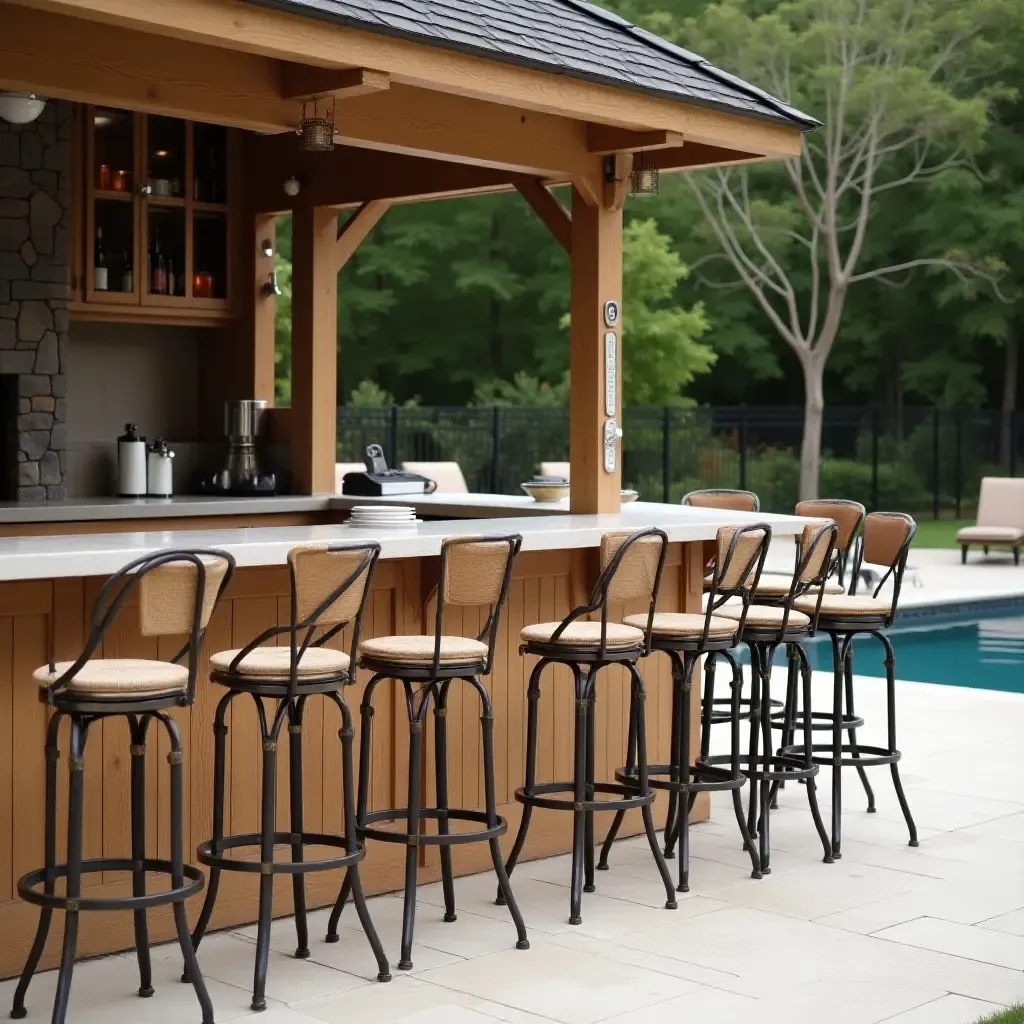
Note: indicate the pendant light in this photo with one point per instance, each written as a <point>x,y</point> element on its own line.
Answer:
<point>316,128</point>
<point>643,179</point>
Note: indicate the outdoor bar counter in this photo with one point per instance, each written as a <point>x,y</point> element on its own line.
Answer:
<point>48,585</point>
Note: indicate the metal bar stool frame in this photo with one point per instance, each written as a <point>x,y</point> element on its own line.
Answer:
<point>291,694</point>
<point>424,685</point>
<point>767,769</point>
<point>585,663</point>
<point>731,578</point>
<point>83,710</point>
<point>842,632</point>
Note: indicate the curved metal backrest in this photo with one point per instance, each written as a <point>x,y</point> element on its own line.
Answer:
<point>475,571</point>
<point>740,552</point>
<point>847,515</point>
<point>330,584</point>
<point>815,553</point>
<point>724,498</point>
<point>885,540</point>
<point>178,592</point>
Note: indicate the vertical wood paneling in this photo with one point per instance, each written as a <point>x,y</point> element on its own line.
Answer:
<point>6,759</point>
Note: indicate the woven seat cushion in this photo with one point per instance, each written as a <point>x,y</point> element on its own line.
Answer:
<point>777,586</point>
<point>585,634</point>
<point>419,650</point>
<point>843,605</point>
<point>683,624</point>
<point>764,617</point>
<point>990,535</point>
<point>274,663</point>
<point>117,677</point>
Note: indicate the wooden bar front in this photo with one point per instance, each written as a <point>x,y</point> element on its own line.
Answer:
<point>545,586</point>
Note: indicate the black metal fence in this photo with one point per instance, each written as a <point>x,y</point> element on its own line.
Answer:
<point>924,461</point>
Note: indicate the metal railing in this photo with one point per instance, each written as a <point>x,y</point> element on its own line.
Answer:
<point>928,462</point>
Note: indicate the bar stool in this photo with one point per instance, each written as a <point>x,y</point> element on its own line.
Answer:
<point>765,629</point>
<point>686,638</point>
<point>177,593</point>
<point>329,588</point>
<point>631,569</point>
<point>474,571</point>
<point>885,541</point>
<point>848,517</point>
<point>723,498</point>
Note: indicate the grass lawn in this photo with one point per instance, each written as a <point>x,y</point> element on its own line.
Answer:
<point>939,533</point>
<point>1014,1015</point>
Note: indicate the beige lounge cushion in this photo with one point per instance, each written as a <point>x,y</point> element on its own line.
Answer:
<point>585,634</point>
<point>766,617</point>
<point>419,650</point>
<point>1001,502</point>
<point>990,535</point>
<point>844,604</point>
<point>684,624</point>
<point>274,663</point>
<point>777,585</point>
<point>116,677</point>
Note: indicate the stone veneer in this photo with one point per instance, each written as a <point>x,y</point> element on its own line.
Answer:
<point>34,299</point>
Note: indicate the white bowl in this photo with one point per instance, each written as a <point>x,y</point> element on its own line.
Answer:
<point>543,491</point>
<point>626,496</point>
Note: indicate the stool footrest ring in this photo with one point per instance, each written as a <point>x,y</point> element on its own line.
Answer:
<point>205,854</point>
<point>704,778</point>
<point>858,755</point>
<point>433,814</point>
<point>782,767</point>
<point>28,886</point>
<point>628,797</point>
<point>821,721</point>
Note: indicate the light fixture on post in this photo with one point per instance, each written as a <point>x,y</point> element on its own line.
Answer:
<point>20,107</point>
<point>643,179</point>
<point>292,186</point>
<point>267,246</point>
<point>316,130</point>
<point>270,287</point>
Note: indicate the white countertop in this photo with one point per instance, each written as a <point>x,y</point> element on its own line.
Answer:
<point>23,558</point>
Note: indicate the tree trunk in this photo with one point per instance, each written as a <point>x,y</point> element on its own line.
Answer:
<point>1010,374</point>
<point>814,409</point>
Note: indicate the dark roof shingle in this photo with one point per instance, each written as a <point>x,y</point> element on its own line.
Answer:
<point>570,37</point>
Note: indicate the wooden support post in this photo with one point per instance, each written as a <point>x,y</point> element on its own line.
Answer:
<point>314,349</point>
<point>596,278</point>
<point>264,307</point>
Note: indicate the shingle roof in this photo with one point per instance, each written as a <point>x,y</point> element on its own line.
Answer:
<point>570,37</point>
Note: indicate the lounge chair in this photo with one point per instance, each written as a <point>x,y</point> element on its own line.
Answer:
<point>447,475</point>
<point>560,469</point>
<point>1000,517</point>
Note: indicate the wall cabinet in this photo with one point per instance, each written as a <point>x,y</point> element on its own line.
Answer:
<point>153,217</point>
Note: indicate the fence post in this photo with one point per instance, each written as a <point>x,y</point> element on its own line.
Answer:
<point>393,436</point>
<point>958,468</point>
<point>666,455</point>
<point>743,447</point>
<point>495,449</point>
<point>935,463</point>
<point>874,457</point>
<point>1014,427</point>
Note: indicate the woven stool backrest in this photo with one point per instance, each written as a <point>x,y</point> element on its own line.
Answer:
<point>167,595</point>
<point>814,553</point>
<point>636,575</point>
<point>737,571</point>
<point>721,497</point>
<point>318,571</point>
<point>475,571</point>
<point>886,535</point>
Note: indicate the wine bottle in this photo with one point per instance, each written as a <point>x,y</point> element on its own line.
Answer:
<point>170,277</point>
<point>127,278</point>
<point>158,269</point>
<point>99,275</point>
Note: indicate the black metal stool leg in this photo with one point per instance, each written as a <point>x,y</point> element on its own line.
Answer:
<point>682,670</point>
<point>789,715</point>
<point>441,779</point>
<point>532,712</point>
<point>671,816</point>
<point>811,781</point>
<point>174,759</point>
<point>765,723</point>
<point>890,690</point>
<point>138,730</point>
<point>268,822</point>
<point>581,691</point>
<point>220,736</point>
<point>412,849</point>
<point>734,749</point>
<point>852,733</point>
<point>295,713</point>
<point>755,713</point>
<point>76,798</point>
<point>18,1010</point>
<point>609,839</point>
<point>588,817</point>
<point>839,672</point>
<point>644,786</point>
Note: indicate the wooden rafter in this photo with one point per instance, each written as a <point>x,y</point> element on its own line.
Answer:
<point>603,139</point>
<point>352,233</point>
<point>302,81</point>
<point>549,209</point>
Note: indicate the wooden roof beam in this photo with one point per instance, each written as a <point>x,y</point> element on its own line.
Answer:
<point>695,156</point>
<point>305,82</point>
<point>604,140</point>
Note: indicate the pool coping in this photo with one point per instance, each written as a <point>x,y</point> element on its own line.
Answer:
<point>960,606</point>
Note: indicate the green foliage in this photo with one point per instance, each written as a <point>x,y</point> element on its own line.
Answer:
<point>369,395</point>
<point>522,390</point>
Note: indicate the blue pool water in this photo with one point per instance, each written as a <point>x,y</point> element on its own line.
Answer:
<point>982,648</point>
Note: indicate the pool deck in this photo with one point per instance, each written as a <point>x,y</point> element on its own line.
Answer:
<point>933,935</point>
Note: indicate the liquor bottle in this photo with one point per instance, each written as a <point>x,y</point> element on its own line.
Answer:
<point>99,274</point>
<point>170,277</point>
<point>158,269</point>
<point>127,278</point>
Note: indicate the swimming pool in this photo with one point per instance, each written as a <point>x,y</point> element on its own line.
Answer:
<point>982,647</point>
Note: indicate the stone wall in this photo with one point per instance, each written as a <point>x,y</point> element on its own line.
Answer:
<point>34,299</point>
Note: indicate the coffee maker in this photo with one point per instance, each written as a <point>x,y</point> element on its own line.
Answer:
<point>241,476</point>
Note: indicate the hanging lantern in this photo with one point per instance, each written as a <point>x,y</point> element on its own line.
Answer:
<point>316,129</point>
<point>643,179</point>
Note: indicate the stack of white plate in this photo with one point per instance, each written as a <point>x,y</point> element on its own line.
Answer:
<point>389,517</point>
